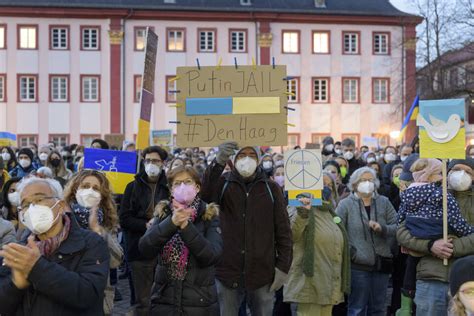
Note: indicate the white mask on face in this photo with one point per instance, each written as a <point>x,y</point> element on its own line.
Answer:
<point>25,163</point>
<point>88,197</point>
<point>279,163</point>
<point>152,170</point>
<point>6,157</point>
<point>459,180</point>
<point>246,166</point>
<point>14,198</point>
<point>370,159</point>
<point>403,158</point>
<point>43,156</point>
<point>39,218</point>
<point>390,157</point>
<point>267,165</point>
<point>366,187</point>
<point>348,155</point>
<point>338,151</point>
<point>329,147</point>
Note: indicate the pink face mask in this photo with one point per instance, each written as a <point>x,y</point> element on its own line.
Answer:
<point>185,193</point>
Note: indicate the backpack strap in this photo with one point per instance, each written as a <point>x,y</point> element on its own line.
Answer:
<point>270,191</point>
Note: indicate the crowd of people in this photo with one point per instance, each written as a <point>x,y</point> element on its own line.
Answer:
<point>210,232</point>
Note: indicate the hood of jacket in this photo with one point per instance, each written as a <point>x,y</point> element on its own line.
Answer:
<point>163,209</point>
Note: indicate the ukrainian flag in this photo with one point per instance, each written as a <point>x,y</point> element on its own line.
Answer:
<point>411,115</point>
<point>7,139</point>
<point>118,166</point>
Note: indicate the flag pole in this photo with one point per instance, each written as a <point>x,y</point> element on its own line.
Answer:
<point>445,206</point>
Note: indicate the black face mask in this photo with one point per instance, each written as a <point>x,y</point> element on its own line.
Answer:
<point>55,162</point>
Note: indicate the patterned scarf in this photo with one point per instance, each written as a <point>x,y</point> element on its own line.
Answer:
<point>175,254</point>
<point>82,215</point>
<point>48,246</point>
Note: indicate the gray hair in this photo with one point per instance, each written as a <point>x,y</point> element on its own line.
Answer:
<point>348,142</point>
<point>357,175</point>
<point>45,171</point>
<point>54,185</point>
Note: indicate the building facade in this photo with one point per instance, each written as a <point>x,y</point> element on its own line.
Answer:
<point>451,76</point>
<point>72,72</point>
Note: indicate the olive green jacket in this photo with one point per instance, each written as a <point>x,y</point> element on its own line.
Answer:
<point>430,267</point>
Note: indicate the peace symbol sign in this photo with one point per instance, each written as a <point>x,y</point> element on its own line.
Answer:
<point>303,170</point>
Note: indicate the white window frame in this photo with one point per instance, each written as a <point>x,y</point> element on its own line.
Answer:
<point>351,43</point>
<point>350,93</point>
<point>59,140</point>
<point>381,47</point>
<point>88,45</point>
<point>291,42</point>
<point>173,40</point>
<point>30,41</point>
<point>28,93</point>
<point>318,42</point>
<point>320,90</point>
<point>59,89</point>
<point>25,141</point>
<point>207,44</point>
<point>3,36</point>
<point>379,85</point>
<point>87,89</point>
<point>238,41</point>
<point>62,35</point>
<point>292,86</point>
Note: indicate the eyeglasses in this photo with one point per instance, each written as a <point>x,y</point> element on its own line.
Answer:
<point>153,161</point>
<point>469,292</point>
<point>25,205</point>
<point>187,182</point>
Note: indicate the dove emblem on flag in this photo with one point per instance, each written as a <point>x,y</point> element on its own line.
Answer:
<point>440,131</point>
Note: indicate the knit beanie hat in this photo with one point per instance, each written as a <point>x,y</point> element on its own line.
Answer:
<point>468,162</point>
<point>462,271</point>
<point>26,151</point>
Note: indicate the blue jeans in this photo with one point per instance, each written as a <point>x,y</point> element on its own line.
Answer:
<point>260,301</point>
<point>368,293</point>
<point>431,298</point>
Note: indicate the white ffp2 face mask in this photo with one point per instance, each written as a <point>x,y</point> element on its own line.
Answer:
<point>25,163</point>
<point>366,187</point>
<point>348,155</point>
<point>39,218</point>
<point>152,170</point>
<point>43,156</point>
<point>88,197</point>
<point>246,166</point>
<point>459,180</point>
<point>14,198</point>
<point>6,157</point>
<point>267,165</point>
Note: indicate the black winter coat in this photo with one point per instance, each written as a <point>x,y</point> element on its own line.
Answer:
<point>196,295</point>
<point>133,210</point>
<point>256,230</point>
<point>71,282</point>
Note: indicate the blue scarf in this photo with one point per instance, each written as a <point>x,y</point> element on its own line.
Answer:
<point>82,215</point>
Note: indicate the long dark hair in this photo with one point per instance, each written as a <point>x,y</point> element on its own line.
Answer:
<point>6,202</point>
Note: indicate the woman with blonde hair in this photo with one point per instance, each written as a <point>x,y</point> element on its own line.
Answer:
<point>89,196</point>
<point>461,283</point>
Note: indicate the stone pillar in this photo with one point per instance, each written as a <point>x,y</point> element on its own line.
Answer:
<point>116,36</point>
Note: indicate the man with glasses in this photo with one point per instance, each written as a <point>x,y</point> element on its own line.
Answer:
<point>136,214</point>
<point>58,268</point>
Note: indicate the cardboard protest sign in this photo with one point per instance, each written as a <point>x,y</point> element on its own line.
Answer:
<point>442,132</point>
<point>7,139</point>
<point>115,139</point>
<point>246,104</point>
<point>303,176</point>
<point>147,90</point>
<point>162,138</point>
<point>118,166</point>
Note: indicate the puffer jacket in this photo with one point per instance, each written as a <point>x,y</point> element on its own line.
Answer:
<point>70,282</point>
<point>136,200</point>
<point>196,295</point>
<point>430,267</point>
<point>255,228</point>
<point>20,172</point>
<point>365,244</point>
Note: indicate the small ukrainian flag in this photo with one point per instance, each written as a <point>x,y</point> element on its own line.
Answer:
<point>118,166</point>
<point>7,139</point>
<point>411,116</point>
